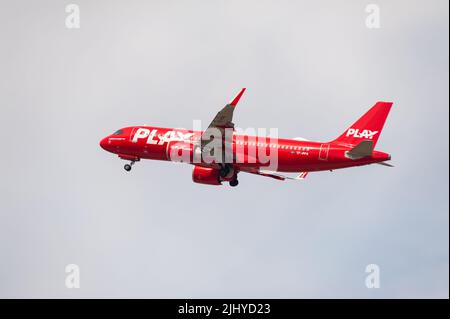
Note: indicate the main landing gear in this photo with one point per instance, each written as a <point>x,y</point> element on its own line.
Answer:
<point>225,172</point>
<point>234,183</point>
<point>127,167</point>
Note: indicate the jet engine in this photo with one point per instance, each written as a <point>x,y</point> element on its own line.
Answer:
<point>206,175</point>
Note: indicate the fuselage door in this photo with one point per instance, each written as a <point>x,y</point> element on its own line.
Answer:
<point>132,134</point>
<point>323,153</point>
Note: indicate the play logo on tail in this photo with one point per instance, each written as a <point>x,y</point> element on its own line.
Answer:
<point>368,127</point>
<point>363,134</point>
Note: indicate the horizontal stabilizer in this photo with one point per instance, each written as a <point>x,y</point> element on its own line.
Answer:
<point>363,149</point>
<point>385,164</point>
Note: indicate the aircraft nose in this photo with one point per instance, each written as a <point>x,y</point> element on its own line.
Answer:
<point>104,143</point>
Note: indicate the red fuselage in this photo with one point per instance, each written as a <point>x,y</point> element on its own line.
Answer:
<point>219,153</point>
<point>292,155</point>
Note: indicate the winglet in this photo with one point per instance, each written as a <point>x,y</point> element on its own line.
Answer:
<point>302,175</point>
<point>237,98</point>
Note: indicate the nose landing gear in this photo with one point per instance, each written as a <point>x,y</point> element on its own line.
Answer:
<point>127,167</point>
<point>133,159</point>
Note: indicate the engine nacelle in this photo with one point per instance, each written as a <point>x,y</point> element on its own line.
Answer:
<point>206,175</point>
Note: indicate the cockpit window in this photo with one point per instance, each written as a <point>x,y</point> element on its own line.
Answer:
<point>119,132</point>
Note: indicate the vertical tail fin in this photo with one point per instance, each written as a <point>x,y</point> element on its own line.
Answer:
<point>368,127</point>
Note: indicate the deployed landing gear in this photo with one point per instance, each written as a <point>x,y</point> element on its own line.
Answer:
<point>234,183</point>
<point>228,173</point>
<point>127,167</point>
<point>225,171</point>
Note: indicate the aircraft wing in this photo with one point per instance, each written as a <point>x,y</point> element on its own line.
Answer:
<point>223,120</point>
<point>276,175</point>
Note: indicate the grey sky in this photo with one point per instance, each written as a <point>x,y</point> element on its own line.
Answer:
<point>311,69</point>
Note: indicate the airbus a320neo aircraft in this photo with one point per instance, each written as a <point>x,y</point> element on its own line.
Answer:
<point>219,153</point>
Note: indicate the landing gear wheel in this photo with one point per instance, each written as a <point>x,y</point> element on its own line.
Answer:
<point>234,183</point>
<point>127,167</point>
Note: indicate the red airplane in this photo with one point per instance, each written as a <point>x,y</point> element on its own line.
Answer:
<point>219,153</point>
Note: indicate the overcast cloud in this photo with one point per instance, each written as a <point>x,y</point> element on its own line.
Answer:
<point>311,69</point>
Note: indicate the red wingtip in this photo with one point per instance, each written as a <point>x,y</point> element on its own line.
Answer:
<point>237,98</point>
